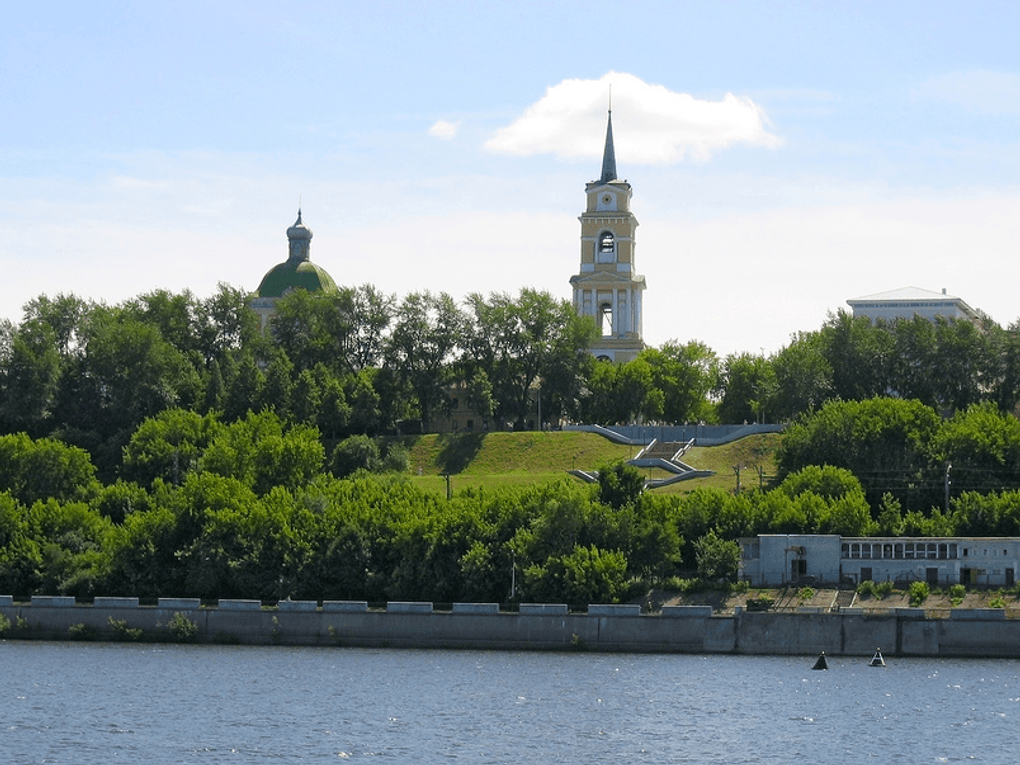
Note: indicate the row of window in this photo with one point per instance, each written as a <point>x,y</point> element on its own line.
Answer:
<point>901,550</point>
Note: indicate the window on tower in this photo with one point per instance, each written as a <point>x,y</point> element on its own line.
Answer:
<point>606,319</point>
<point>606,247</point>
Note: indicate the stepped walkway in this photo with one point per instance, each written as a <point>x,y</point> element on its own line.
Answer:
<point>705,435</point>
<point>664,455</point>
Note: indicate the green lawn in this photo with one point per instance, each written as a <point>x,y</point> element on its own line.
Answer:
<point>496,459</point>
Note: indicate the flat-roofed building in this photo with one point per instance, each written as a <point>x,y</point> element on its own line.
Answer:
<point>775,560</point>
<point>908,302</point>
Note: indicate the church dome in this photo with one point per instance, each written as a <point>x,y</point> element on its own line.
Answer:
<point>298,271</point>
<point>293,274</point>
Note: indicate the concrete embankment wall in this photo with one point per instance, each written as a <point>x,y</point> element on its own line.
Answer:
<point>678,629</point>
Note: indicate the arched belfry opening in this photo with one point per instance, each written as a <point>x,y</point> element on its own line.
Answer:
<point>606,247</point>
<point>606,319</point>
<point>607,287</point>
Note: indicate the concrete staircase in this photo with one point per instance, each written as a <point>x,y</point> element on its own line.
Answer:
<point>843,599</point>
<point>665,455</point>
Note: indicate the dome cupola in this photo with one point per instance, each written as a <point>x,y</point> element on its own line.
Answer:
<point>298,270</point>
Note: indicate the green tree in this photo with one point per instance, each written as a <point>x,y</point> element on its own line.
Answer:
<point>525,341</point>
<point>355,453</point>
<point>421,347</point>
<point>66,315</point>
<point>684,376</point>
<point>748,386</point>
<point>859,354</point>
<point>226,323</point>
<point>21,560</point>
<point>583,576</point>
<point>620,484</point>
<point>982,447</point>
<point>43,469</point>
<point>28,379</point>
<point>168,446</point>
<point>126,372</point>
<point>803,377</point>
<point>885,442</point>
<point>717,558</point>
<point>262,453</point>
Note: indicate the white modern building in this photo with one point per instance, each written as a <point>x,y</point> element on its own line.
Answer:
<point>775,560</point>
<point>908,302</point>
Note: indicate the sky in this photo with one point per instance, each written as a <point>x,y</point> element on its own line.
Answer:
<point>784,157</point>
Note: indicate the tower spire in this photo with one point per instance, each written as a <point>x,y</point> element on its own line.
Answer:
<point>609,153</point>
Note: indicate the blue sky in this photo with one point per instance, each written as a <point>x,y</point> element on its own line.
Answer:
<point>784,156</point>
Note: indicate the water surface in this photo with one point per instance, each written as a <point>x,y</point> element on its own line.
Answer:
<point>87,703</point>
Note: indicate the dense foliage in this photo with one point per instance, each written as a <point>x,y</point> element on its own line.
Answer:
<point>249,513</point>
<point>904,450</point>
<point>165,447</point>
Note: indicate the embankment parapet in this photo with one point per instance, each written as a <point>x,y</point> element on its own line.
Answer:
<point>536,626</point>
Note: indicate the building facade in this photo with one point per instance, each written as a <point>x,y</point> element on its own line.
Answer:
<point>607,287</point>
<point>908,302</point>
<point>776,560</point>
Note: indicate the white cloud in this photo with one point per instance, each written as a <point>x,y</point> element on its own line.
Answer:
<point>981,91</point>
<point>444,130</point>
<point>653,125</point>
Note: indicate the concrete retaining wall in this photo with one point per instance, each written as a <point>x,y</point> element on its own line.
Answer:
<point>538,626</point>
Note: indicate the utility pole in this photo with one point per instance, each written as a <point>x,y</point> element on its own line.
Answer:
<point>513,574</point>
<point>948,483</point>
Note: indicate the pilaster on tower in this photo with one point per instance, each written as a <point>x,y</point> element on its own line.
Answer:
<point>607,287</point>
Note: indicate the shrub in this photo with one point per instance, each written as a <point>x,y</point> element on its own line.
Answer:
<point>866,589</point>
<point>81,631</point>
<point>883,588</point>
<point>717,558</point>
<point>397,459</point>
<point>679,584</point>
<point>586,575</point>
<point>957,592</point>
<point>355,453</point>
<point>121,631</point>
<point>805,593</point>
<point>997,602</point>
<point>761,603</point>
<point>5,624</point>
<point>919,592</point>
<point>182,629</point>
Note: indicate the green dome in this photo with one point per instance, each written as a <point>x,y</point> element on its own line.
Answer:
<point>293,274</point>
<point>298,271</point>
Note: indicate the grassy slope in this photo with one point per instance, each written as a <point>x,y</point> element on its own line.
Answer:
<point>494,459</point>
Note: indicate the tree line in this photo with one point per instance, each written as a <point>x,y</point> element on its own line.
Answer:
<point>359,361</point>
<point>246,509</point>
<point>164,446</point>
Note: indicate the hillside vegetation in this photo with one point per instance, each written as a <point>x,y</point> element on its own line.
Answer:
<point>493,459</point>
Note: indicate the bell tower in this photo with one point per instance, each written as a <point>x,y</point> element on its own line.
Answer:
<point>607,287</point>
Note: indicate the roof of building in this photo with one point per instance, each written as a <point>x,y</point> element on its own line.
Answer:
<point>906,296</point>
<point>295,273</point>
<point>905,293</point>
<point>609,154</point>
<point>298,271</point>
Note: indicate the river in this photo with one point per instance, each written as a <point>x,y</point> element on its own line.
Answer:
<point>84,703</point>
